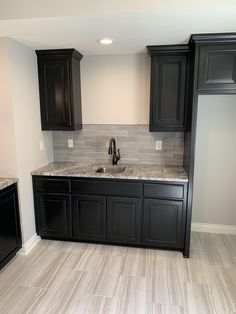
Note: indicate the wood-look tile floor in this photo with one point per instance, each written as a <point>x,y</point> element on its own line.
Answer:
<point>62,277</point>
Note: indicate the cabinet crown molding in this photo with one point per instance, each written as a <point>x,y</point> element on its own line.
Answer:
<point>213,38</point>
<point>71,52</point>
<point>167,49</point>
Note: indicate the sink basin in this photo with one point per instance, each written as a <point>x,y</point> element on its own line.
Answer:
<point>111,170</point>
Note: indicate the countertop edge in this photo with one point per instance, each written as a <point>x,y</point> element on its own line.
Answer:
<point>113,177</point>
<point>74,170</point>
<point>6,182</point>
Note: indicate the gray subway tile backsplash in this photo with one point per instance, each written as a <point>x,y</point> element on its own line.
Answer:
<point>136,143</point>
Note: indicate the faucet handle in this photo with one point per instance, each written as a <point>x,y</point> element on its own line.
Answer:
<point>115,158</point>
<point>118,155</point>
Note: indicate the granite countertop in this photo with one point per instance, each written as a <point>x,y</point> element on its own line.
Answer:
<point>5,182</point>
<point>135,172</point>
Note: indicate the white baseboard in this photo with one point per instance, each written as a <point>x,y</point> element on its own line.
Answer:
<point>28,246</point>
<point>213,228</point>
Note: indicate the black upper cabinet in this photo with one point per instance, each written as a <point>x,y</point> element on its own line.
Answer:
<point>215,63</point>
<point>10,233</point>
<point>60,91</point>
<point>168,94</point>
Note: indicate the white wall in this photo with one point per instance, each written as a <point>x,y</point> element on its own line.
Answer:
<point>214,200</point>
<point>115,89</point>
<point>22,105</point>
<point>7,130</point>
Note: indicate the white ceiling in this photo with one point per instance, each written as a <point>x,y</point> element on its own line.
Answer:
<point>133,24</point>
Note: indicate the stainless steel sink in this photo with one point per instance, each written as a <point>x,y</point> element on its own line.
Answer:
<point>111,170</point>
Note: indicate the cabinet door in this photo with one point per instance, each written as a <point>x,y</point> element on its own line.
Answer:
<point>217,68</point>
<point>163,223</point>
<point>89,217</point>
<point>10,236</point>
<point>167,102</point>
<point>123,220</point>
<point>53,215</point>
<point>55,101</point>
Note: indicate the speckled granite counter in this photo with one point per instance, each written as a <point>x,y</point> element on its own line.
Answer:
<point>135,172</point>
<point>5,182</point>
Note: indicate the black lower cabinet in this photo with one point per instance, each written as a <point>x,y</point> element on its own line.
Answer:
<point>163,224</point>
<point>123,220</point>
<point>132,212</point>
<point>10,233</point>
<point>89,217</point>
<point>53,215</point>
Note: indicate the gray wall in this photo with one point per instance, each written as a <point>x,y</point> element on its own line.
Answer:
<point>214,199</point>
<point>136,143</point>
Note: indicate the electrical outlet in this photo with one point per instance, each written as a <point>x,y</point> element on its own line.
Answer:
<point>41,145</point>
<point>158,145</point>
<point>70,143</point>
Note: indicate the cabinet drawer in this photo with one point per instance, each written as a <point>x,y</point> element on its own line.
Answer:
<point>164,191</point>
<point>52,185</point>
<point>106,188</point>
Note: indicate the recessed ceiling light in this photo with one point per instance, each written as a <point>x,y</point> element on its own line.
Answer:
<point>105,41</point>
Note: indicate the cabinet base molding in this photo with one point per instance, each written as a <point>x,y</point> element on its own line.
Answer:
<point>213,228</point>
<point>29,245</point>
